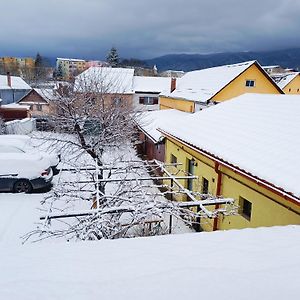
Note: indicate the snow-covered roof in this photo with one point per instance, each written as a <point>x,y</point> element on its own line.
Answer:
<point>16,83</point>
<point>284,79</point>
<point>71,59</point>
<point>106,80</point>
<point>271,67</point>
<point>151,84</point>
<point>151,120</point>
<point>202,85</point>
<point>256,133</point>
<point>47,94</point>
<point>15,106</point>
<point>210,265</point>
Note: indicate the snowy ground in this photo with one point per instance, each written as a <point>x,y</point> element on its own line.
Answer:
<point>239,264</point>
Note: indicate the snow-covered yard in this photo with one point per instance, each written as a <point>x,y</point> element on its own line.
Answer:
<point>251,264</point>
<point>239,264</point>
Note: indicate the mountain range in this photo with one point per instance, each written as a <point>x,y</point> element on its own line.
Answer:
<point>289,58</point>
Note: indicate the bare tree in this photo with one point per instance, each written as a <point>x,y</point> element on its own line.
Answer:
<point>2,126</point>
<point>94,123</point>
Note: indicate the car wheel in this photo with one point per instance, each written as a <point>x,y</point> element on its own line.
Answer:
<point>22,186</point>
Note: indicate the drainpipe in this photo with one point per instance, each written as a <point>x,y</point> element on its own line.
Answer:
<point>218,193</point>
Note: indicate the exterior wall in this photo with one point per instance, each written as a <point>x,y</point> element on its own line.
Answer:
<point>149,149</point>
<point>144,107</point>
<point>238,86</point>
<point>11,96</point>
<point>293,87</point>
<point>9,114</point>
<point>183,105</point>
<point>268,208</point>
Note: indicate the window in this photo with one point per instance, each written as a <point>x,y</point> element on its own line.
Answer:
<point>250,83</point>
<point>245,208</point>
<point>39,107</point>
<point>290,90</point>
<point>205,184</point>
<point>148,100</point>
<point>191,171</point>
<point>173,159</point>
<point>117,101</point>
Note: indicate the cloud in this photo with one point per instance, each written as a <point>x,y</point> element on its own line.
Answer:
<point>142,28</point>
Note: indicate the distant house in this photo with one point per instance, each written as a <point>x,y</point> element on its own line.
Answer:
<point>68,68</point>
<point>147,90</point>
<point>246,149</point>
<point>152,142</point>
<point>39,101</point>
<point>197,89</point>
<point>289,82</point>
<point>172,73</point>
<point>110,84</point>
<point>12,88</point>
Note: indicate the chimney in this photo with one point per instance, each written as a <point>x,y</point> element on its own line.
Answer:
<point>8,79</point>
<point>173,84</point>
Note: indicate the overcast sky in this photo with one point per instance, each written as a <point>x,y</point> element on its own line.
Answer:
<point>146,29</point>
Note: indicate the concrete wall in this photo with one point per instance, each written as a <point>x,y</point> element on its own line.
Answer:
<point>23,126</point>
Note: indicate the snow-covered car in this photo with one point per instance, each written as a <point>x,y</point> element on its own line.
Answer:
<point>22,144</point>
<point>22,172</point>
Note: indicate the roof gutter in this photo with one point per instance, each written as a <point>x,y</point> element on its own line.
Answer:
<point>270,187</point>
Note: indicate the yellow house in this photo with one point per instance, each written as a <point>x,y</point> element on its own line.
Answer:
<point>196,89</point>
<point>288,82</point>
<point>246,149</point>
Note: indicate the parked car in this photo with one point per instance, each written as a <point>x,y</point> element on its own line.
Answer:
<point>10,143</point>
<point>22,172</point>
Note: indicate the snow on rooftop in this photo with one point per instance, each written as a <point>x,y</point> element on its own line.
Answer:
<point>16,83</point>
<point>47,94</point>
<point>16,106</point>
<point>284,79</point>
<point>150,121</point>
<point>271,67</point>
<point>255,132</point>
<point>248,264</point>
<point>151,84</point>
<point>202,85</point>
<point>71,59</point>
<point>106,80</point>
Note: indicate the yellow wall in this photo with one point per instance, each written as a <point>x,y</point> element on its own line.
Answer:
<point>293,87</point>
<point>238,86</point>
<point>183,105</point>
<point>268,209</point>
<point>235,88</point>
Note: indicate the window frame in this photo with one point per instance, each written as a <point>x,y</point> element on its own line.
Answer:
<point>245,210</point>
<point>251,84</point>
<point>205,185</point>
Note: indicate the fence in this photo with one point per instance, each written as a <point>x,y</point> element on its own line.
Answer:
<point>23,126</point>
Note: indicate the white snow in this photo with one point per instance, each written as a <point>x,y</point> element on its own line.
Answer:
<point>16,106</point>
<point>255,132</point>
<point>16,83</point>
<point>150,84</point>
<point>202,85</point>
<point>106,80</point>
<point>261,263</point>
<point>239,264</point>
<point>150,121</point>
<point>23,165</point>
